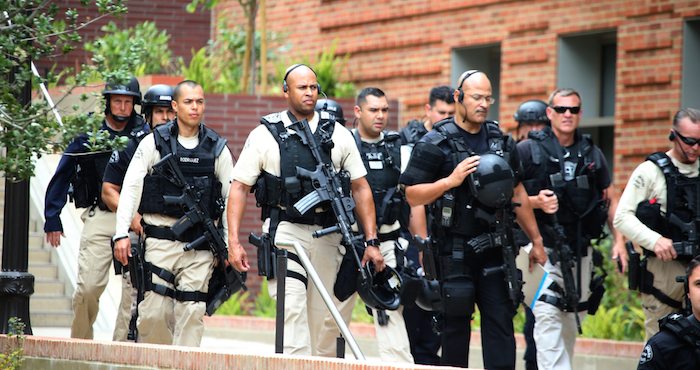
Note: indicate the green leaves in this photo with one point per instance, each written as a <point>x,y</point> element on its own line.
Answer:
<point>33,30</point>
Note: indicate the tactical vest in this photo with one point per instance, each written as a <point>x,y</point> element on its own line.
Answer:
<point>686,329</point>
<point>573,175</point>
<point>682,197</point>
<point>455,213</point>
<point>197,166</point>
<point>383,163</point>
<point>90,169</point>
<point>413,132</point>
<point>279,194</point>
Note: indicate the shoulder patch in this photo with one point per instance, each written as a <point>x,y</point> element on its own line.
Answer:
<point>273,117</point>
<point>114,158</point>
<point>647,354</point>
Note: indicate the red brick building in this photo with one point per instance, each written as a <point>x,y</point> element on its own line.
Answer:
<point>187,31</point>
<point>635,62</point>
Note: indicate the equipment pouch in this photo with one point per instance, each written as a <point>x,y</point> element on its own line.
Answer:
<point>649,213</point>
<point>458,297</point>
<point>346,280</point>
<point>597,291</point>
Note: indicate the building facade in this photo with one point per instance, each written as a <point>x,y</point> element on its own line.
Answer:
<point>635,62</point>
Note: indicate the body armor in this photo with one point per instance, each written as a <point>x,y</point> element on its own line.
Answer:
<point>90,168</point>
<point>682,208</point>
<point>573,175</point>
<point>383,163</point>
<point>281,193</point>
<point>197,165</point>
<point>413,132</point>
<point>456,211</point>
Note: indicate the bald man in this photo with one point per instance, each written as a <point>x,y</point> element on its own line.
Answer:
<point>269,160</point>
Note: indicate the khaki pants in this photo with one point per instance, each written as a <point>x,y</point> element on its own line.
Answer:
<point>164,320</point>
<point>121,326</point>
<point>392,338</point>
<point>555,330</point>
<point>665,280</point>
<point>305,313</point>
<point>94,259</point>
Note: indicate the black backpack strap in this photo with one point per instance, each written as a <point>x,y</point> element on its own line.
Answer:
<point>670,173</point>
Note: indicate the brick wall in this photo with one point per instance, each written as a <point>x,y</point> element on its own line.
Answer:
<point>187,31</point>
<point>404,47</point>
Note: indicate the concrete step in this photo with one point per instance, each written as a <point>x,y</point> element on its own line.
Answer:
<point>41,256</point>
<point>36,240</point>
<point>43,270</point>
<point>44,286</point>
<point>51,319</point>
<point>49,303</point>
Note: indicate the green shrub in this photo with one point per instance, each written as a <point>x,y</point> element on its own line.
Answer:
<point>13,356</point>
<point>265,306</point>
<point>236,305</point>
<point>144,48</point>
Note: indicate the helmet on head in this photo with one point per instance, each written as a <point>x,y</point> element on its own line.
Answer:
<point>158,95</point>
<point>492,183</point>
<point>333,108</point>
<point>381,290</point>
<point>532,111</point>
<point>132,88</point>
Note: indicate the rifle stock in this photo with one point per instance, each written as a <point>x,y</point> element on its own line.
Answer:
<point>567,263</point>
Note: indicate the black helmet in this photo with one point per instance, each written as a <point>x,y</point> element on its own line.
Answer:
<point>532,111</point>
<point>333,108</point>
<point>492,183</point>
<point>132,89</point>
<point>158,95</point>
<point>381,290</point>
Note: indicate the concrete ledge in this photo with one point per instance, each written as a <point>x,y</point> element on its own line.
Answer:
<point>175,357</point>
<point>584,346</point>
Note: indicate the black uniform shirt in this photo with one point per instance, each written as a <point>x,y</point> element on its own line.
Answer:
<point>430,162</point>
<point>665,350</point>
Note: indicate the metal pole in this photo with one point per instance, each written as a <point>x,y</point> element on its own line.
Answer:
<point>281,287</point>
<point>16,284</point>
<point>311,273</point>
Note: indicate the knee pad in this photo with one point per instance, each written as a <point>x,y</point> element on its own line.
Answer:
<point>458,297</point>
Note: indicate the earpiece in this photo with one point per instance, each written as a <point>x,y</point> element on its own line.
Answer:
<point>285,87</point>
<point>672,136</point>
<point>465,75</point>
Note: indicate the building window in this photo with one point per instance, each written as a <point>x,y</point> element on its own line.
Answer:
<point>586,63</point>
<point>690,94</point>
<point>486,58</point>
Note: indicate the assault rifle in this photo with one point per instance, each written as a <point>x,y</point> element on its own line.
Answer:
<point>688,247</point>
<point>503,239</point>
<point>196,215</point>
<point>567,260</point>
<point>328,188</point>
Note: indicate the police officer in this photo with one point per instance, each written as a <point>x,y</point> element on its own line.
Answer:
<point>463,212</point>
<point>664,184</point>
<point>677,345</point>
<point>565,174</point>
<point>174,306</point>
<point>530,116</point>
<point>84,173</point>
<point>425,343</point>
<point>269,158</point>
<point>381,154</point>
<point>157,109</point>
<point>333,108</point>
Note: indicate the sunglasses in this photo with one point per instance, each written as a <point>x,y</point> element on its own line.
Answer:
<point>562,110</point>
<point>687,140</point>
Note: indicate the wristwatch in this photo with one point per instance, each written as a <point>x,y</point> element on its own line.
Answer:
<point>372,242</point>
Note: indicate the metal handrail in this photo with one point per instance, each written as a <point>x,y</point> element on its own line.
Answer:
<point>311,273</point>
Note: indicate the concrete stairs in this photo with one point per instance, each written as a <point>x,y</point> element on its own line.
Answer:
<point>50,305</point>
